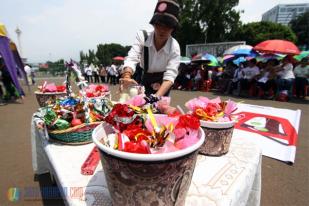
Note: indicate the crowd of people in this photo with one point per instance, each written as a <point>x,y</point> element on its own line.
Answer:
<point>100,74</point>
<point>271,79</point>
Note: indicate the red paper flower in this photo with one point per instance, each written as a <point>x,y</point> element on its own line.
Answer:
<point>211,109</point>
<point>137,134</point>
<point>101,88</point>
<point>138,147</point>
<point>175,113</point>
<point>98,88</point>
<point>122,117</point>
<point>61,88</point>
<point>188,121</point>
<point>89,94</point>
<point>122,110</point>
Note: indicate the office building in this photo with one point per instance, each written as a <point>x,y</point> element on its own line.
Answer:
<point>284,13</point>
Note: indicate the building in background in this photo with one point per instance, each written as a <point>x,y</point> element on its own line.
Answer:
<point>284,13</point>
<point>216,49</point>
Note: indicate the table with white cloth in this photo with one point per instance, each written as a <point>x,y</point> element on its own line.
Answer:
<point>231,179</point>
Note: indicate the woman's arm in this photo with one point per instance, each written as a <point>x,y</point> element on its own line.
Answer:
<point>134,55</point>
<point>165,86</point>
<point>172,66</point>
<point>130,62</point>
<point>171,71</point>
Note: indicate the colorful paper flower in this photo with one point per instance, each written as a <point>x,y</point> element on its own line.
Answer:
<point>157,134</point>
<point>211,110</point>
<point>94,90</point>
<point>136,101</point>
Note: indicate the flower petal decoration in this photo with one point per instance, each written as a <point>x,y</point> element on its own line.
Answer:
<point>137,100</point>
<point>211,109</point>
<point>194,103</point>
<point>163,103</point>
<point>161,120</point>
<point>137,147</point>
<point>230,107</point>
<point>167,147</point>
<point>217,100</point>
<point>189,138</point>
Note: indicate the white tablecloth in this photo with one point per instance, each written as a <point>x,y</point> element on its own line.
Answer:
<point>232,179</point>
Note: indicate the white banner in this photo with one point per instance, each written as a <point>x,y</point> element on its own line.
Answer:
<point>274,130</point>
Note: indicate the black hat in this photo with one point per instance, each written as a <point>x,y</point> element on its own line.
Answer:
<point>166,12</point>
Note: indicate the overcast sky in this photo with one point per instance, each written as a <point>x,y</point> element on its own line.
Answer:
<point>54,29</point>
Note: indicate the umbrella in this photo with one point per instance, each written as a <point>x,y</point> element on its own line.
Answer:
<point>302,55</point>
<point>235,48</point>
<point>205,58</point>
<point>277,46</point>
<point>245,52</point>
<point>185,60</point>
<point>266,57</point>
<point>239,60</point>
<point>118,58</point>
<point>228,57</point>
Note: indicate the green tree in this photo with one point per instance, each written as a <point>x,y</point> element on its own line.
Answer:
<point>92,57</point>
<point>256,32</point>
<point>207,20</point>
<point>300,26</point>
<point>57,67</point>
<point>83,57</point>
<point>106,52</point>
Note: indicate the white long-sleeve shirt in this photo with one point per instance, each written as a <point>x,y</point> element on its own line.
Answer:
<point>165,60</point>
<point>250,72</point>
<point>287,72</point>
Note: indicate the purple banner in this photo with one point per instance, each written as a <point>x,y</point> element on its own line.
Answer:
<point>10,63</point>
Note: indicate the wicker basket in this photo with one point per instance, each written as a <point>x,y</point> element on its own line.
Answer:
<point>42,98</point>
<point>80,134</point>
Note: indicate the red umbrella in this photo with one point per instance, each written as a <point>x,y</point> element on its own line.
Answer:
<point>118,58</point>
<point>277,46</point>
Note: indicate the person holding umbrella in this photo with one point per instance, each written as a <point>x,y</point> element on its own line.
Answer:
<point>157,52</point>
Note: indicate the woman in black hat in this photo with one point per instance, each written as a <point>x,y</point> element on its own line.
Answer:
<point>157,52</point>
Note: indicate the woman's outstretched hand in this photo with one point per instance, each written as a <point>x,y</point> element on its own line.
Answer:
<point>125,83</point>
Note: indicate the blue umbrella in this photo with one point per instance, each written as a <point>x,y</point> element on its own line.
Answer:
<point>239,60</point>
<point>245,52</point>
<point>235,48</point>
